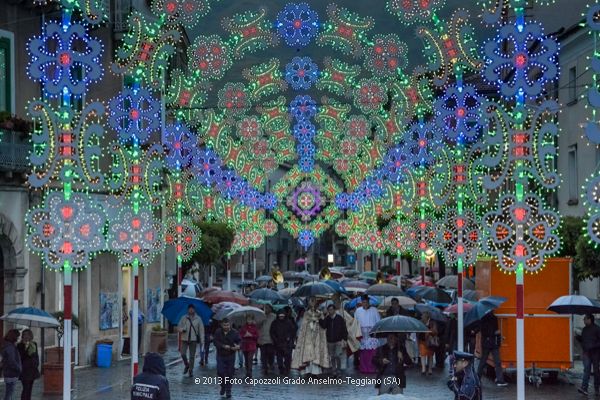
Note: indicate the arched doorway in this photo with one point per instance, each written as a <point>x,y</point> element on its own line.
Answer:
<point>11,267</point>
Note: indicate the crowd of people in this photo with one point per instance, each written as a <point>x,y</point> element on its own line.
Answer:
<point>321,339</point>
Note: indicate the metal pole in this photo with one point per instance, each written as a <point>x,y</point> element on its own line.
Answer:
<point>460,323</point>
<point>134,321</point>
<point>67,332</point>
<point>254,265</point>
<point>228,273</point>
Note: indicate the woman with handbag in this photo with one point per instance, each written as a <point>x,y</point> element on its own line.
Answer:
<point>30,362</point>
<point>428,343</point>
<point>192,333</point>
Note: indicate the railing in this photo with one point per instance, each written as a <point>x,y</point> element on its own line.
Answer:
<point>14,151</point>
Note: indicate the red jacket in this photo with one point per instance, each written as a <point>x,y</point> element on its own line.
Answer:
<point>249,342</point>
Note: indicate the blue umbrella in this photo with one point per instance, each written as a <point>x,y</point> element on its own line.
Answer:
<point>374,301</point>
<point>32,317</point>
<point>482,308</point>
<point>434,312</point>
<point>175,309</point>
<point>335,285</point>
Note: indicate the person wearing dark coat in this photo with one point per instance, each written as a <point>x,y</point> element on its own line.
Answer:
<point>590,344</point>
<point>390,361</point>
<point>336,333</point>
<point>395,309</point>
<point>30,362</point>
<point>152,383</point>
<point>11,363</point>
<point>490,343</point>
<point>464,383</point>
<point>283,334</point>
<point>227,342</point>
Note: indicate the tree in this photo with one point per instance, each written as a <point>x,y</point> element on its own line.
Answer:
<point>569,232</point>
<point>587,259</point>
<point>216,241</point>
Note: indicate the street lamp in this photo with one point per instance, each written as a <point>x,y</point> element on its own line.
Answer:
<point>429,256</point>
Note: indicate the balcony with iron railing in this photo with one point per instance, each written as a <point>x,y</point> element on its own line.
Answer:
<point>14,151</point>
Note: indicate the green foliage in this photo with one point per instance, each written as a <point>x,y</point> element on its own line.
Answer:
<point>587,259</point>
<point>216,241</point>
<point>570,230</point>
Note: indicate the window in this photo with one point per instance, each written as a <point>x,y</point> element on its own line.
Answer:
<point>572,85</point>
<point>573,176</point>
<point>5,76</point>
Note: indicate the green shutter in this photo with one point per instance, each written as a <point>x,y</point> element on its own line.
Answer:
<point>5,78</point>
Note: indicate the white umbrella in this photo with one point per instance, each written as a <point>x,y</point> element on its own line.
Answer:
<point>32,317</point>
<point>238,315</point>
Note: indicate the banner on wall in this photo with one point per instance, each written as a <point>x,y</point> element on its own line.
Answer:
<point>153,305</point>
<point>109,310</point>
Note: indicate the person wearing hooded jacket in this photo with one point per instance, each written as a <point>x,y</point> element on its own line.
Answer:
<point>152,383</point>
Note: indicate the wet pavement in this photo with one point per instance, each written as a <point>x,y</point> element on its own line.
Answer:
<point>113,383</point>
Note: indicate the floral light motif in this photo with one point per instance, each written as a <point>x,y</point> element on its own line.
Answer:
<point>134,115</point>
<point>396,163</point>
<point>301,73</point>
<point>184,12</point>
<point>66,231</point>
<point>344,30</point>
<point>184,236</point>
<point>234,99</point>
<point>297,24</point>
<point>180,144</point>
<point>209,57</point>
<point>306,239</point>
<point>135,236</point>
<point>305,201</point>
<point>458,113</point>
<point>66,141</point>
<point>513,54</point>
<point>338,77</point>
<point>411,11</point>
<point>521,232</point>
<point>58,69</point>
<point>423,141</point>
<point>303,107</point>
<point>206,166</point>
<point>459,236</point>
<point>369,96</point>
<point>187,97</point>
<point>386,56</point>
<point>264,79</point>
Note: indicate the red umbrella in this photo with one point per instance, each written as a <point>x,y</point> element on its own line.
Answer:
<point>453,308</point>
<point>219,296</point>
<point>209,290</point>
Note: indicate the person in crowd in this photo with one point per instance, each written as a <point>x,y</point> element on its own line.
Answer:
<point>451,339</point>
<point>11,363</point>
<point>205,349</point>
<point>286,285</point>
<point>390,360</point>
<point>464,382</point>
<point>367,317</point>
<point>490,343</point>
<point>152,383</point>
<point>192,333</point>
<point>30,363</point>
<point>440,350</point>
<point>337,334</point>
<point>267,351</point>
<point>428,343</point>
<point>227,342</point>
<point>249,336</point>
<point>352,344</point>
<point>283,334</point>
<point>310,355</point>
<point>590,344</point>
<point>395,309</point>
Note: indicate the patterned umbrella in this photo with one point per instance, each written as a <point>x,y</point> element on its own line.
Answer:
<point>220,296</point>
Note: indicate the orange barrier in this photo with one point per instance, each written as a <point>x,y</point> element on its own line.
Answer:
<point>548,336</point>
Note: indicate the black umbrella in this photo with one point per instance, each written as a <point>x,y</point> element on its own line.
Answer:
<point>470,295</point>
<point>434,294</point>
<point>435,313</point>
<point>314,289</point>
<point>482,308</point>
<point>397,324</point>
<point>385,289</point>
<point>266,295</point>
<point>575,304</point>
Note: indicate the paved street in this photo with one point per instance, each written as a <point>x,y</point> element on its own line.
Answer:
<point>112,383</point>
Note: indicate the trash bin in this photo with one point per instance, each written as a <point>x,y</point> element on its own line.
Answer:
<point>103,355</point>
